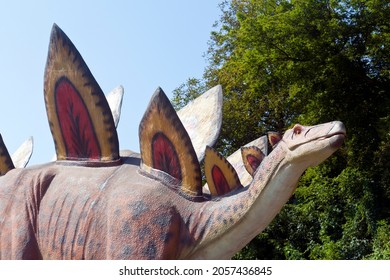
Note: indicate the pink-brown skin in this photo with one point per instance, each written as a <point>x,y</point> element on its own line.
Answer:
<point>70,212</point>
<point>59,211</point>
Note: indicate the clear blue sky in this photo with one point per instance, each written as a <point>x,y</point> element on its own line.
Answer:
<point>138,44</point>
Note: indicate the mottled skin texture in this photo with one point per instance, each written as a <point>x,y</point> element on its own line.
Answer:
<point>64,211</point>
<point>109,216</point>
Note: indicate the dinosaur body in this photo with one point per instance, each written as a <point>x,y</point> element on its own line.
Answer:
<point>107,217</point>
<point>97,203</point>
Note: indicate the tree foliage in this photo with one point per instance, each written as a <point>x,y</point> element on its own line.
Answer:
<point>282,62</point>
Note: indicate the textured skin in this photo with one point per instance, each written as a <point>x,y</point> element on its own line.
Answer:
<point>48,212</point>
<point>108,217</point>
<point>62,211</point>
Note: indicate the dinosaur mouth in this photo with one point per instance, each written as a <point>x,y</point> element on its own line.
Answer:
<point>336,139</point>
<point>336,135</point>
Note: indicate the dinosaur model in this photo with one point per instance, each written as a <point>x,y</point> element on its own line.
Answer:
<point>95,202</point>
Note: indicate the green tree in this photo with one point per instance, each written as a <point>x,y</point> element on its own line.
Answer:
<point>282,62</point>
<point>187,91</point>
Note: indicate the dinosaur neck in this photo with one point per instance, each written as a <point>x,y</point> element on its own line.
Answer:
<point>235,220</point>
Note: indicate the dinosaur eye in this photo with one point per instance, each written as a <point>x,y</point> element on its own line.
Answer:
<point>297,130</point>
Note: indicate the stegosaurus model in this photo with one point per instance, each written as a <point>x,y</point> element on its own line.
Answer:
<point>95,202</point>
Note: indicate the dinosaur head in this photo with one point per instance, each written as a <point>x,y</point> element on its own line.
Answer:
<point>310,145</point>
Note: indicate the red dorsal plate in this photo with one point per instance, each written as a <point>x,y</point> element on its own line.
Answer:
<point>274,138</point>
<point>252,157</point>
<point>79,115</point>
<point>166,146</point>
<point>6,163</point>
<point>220,175</point>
